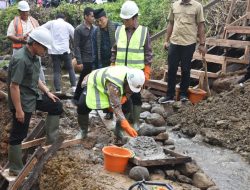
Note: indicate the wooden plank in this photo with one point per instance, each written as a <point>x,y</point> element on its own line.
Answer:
<point>196,73</point>
<point>27,168</point>
<point>238,29</point>
<point>33,134</point>
<point>210,58</point>
<point>158,93</point>
<point>33,143</point>
<point>66,143</point>
<point>236,60</point>
<point>172,159</point>
<point>238,20</point>
<point>156,84</point>
<point>39,165</point>
<point>227,43</point>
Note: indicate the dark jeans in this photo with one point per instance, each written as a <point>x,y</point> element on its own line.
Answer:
<point>179,55</point>
<point>136,99</point>
<point>57,60</point>
<point>87,68</point>
<point>19,130</point>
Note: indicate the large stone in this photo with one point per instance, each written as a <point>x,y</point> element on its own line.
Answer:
<point>146,106</point>
<point>202,181</point>
<point>184,179</point>
<point>188,169</point>
<point>162,137</point>
<point>147,96</point>
<point>139,173</point>
<point>155,119</point>
<point>149,130</point>
<point>160,110</point>
<point>144,114</point>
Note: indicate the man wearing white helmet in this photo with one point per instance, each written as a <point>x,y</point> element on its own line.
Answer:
<point>132,49</point>
<point>109,87</point>
<point>24,96</point>
<point>20,27</point>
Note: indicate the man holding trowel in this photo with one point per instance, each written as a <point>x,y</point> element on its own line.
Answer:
<point>109,87</point>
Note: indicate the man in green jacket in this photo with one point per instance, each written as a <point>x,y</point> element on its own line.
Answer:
<point>24,96</point>
<point>109,87</point>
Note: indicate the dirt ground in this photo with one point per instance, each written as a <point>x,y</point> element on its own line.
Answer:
<point>223,120</point>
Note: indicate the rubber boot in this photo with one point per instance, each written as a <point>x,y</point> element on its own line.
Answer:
<point>83,121</point>
<point>119,131</point>
<point>15,159</point>
<point>136,117</point>
<point>51,128</point>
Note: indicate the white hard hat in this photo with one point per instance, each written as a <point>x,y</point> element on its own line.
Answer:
<point>42,36</point>
<point>23,6</point>
<point>136,79</point>
<point>129,9</point>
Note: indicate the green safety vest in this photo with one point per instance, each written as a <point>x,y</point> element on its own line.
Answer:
<point>132,54</point>
<point>97,97</point>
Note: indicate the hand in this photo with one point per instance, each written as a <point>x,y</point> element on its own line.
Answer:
<point>126,126</point>
<point>20,116</point>
<point>166,45</point>
<point>79,66</point>
<point>202,50</point>
<point>52,96</point>
<point>147,71</point>
<point>124,99</point>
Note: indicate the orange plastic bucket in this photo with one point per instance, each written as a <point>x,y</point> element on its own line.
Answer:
<point>116,158</point>
<point>196,95</point>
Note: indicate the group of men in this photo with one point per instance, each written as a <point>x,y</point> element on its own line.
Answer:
<point>107,88</point>
<point>115,61</point>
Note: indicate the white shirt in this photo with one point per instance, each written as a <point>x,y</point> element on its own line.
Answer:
<point>61,32</point>
<point>26,25</point>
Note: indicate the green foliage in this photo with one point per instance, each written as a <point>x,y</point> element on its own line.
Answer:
<point>153,14</point>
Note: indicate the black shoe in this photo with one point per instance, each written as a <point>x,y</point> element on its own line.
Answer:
<point>166,99</point>
<point>183,98</point>
<point>243,79</point>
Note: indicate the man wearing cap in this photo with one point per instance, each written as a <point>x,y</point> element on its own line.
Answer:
<point>83,47</point>
<point>61,32</point>
<point>186,23</point>
<point>109,87</point>
<point>104,39</point>
<point>132,49</point>
<point>24,97</point>
<point>20,27</point>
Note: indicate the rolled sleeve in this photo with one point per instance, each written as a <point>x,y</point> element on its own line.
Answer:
<point>200,15</point>
<point>171,15</point>
<point>17,71</point>
<point>148,54</point>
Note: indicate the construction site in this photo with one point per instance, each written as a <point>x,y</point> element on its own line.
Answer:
<point>201,144</point>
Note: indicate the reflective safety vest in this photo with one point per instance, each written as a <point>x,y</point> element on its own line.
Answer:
<point>97,97</point>
<point>131,53</point>
<point>19,29</point>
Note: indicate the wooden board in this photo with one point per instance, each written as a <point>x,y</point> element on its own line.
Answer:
<point>175,158</point>
<point>227,43</point>
<point>210,58</point>
<point>238,29</point>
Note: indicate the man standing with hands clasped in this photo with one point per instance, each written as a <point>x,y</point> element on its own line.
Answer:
<point>186,22</point>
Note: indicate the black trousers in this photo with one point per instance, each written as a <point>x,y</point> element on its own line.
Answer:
<point>87,68</point>
<point>179,55</point>
<point>19,130</point>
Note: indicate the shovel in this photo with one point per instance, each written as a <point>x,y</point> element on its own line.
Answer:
<point>206,85</point>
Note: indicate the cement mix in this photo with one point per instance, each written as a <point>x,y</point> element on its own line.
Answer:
<point>146,148</point>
